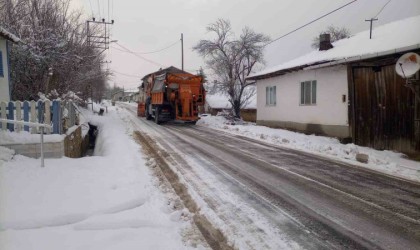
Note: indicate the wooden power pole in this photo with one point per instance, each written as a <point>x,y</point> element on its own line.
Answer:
<point>182,51</point>
<point>371,22</point>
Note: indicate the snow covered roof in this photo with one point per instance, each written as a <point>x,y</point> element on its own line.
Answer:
<point>170,69</point>
<point>220,101</point>
<point>9,36</point>
<point>394,37</point>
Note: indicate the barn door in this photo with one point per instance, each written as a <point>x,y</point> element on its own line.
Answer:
<point>384,110</point>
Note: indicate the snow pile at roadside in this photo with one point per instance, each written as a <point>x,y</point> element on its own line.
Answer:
<point>385,161</point>
<point>5,155</point>
<point>107,201</point>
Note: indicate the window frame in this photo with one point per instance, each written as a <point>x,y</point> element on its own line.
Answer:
<point>1,64</point>
<point>305,93</point>
<point>270,96</point>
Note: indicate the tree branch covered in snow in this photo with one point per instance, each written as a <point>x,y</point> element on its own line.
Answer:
<point>53,56</point>
<point>232,60</point>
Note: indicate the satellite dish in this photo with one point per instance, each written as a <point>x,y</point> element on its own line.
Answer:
<point>407,65</point>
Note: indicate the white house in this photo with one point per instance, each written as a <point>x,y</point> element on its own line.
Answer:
<point>347,90</point>
<point>5,84</point>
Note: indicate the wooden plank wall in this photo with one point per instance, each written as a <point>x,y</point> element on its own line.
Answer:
<point>384,110</point>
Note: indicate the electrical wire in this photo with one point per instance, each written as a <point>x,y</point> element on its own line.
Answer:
<point>156,51</point>
<point>141,57</point>
<point>124,74</point>
<point>99,9</point>
<point>310,22</point>
<point>91,9</point>
<point>383,7</point>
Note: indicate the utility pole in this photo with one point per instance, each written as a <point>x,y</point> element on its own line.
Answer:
<point>102,40</point>
<point>371,22</point>
<point>182,51</point>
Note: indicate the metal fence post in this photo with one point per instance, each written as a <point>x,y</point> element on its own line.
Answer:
<point>42,146</point>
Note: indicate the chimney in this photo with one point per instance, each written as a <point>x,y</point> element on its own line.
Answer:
<point>325,42</point>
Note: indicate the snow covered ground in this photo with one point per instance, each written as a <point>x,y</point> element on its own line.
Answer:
<point>107,201</point>
<point>112,200</point>
<point>384,161</point>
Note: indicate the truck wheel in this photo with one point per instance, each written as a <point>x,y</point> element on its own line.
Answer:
<point>157,116</point>
<point>148,116</point>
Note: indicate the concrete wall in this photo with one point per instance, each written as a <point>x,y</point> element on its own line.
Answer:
<point>4,81</point>
<point>328,116</point>
<point>72,146</point>
<point>33,150</point>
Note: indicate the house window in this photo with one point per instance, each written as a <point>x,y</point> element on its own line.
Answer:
<point>308,93</point>
<point>270,96</point>
<point>1,64</point>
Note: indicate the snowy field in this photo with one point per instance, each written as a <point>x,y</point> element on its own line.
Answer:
<point>107,201</point>
<point>388,162</point>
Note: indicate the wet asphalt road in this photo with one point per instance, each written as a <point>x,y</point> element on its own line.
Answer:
<point>330,204</point>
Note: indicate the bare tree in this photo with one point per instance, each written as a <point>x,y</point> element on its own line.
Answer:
<point>232,60</point>
<point>335,32</point>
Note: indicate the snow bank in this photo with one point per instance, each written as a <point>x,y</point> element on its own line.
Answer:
<point>107,201</point>
<point>384,161</point>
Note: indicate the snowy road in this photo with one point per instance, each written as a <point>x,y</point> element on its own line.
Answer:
<point>263,196</point>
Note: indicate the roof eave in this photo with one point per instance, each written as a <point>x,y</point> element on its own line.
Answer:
<point>364,57</point>
<point>323,64</point>
<point>283,71</point>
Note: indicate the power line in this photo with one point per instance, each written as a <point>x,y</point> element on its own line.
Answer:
<point>91,9</point>
<point>112,9</point>
<point>99,9</point>
<point>383,7</point>
<point>124,74</point>
<point>141,57</point>
<point>310,22</point>
<point>155,51</point>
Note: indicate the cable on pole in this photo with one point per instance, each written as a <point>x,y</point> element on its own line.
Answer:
<point>124,74</point>
<point>91,9</point>
<point>99,9</point>
<point>310,22</point>
<point>383,7</point>
<point>155,51</point>
<point>141,57</point>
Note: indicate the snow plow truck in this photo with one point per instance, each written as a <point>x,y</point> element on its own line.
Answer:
<point>171,95</point>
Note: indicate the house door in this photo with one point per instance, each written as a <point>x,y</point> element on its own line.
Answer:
<point>384,110</point>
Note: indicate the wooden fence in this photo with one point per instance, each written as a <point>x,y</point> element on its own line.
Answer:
<point>59,114</point>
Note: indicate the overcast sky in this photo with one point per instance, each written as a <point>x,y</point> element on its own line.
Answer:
<point>144,26</point>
